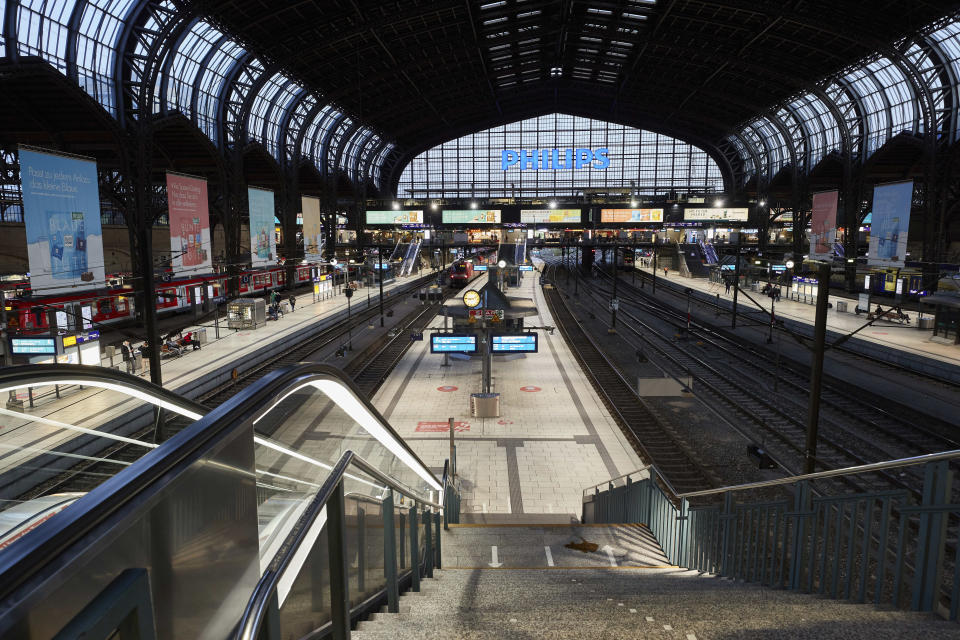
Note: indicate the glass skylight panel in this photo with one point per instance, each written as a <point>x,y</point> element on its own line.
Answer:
<point>335,141</point>
<point>471,165</point>
<point>226,55</point>
<point>874,106</point>
<point>261,106</point>
<point>42,29</point>
<point>185,67</point>
<point>100,26</point>
<point>275,116</point>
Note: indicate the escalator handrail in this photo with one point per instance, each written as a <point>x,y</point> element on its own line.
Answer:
<point>51,374</point>
<point>46,543</point>
<point>255,613</point>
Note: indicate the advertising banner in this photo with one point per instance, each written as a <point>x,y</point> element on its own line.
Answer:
<point>312,229</point>
<point>395,217</point>
<point>263,240</point>
<point>534,216</point>
<point>890,223</point>
<point>61,212</point>
<point>471,216</point>
<point>823,224</point>
<point>189,224</point>
<point>716,213</point>
<point>631,215</point>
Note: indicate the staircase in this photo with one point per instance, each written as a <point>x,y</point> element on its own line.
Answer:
<point>615,582</point>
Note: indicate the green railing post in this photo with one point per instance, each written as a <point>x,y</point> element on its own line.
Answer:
<point>726,525</point>
<point>650,486</point>
<point>337,556</point>
<point>933,529</point>
<point>361,550</point>
<point>437,551</point>
<point>414,548</point>
<point>800,506</point>
<point>447,505</point>
<point>428,541</point>
<point>390,554</point>
<point>683,533</point>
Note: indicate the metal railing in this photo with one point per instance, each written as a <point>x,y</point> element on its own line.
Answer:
<point>884,547</point>
<point>261,618</point>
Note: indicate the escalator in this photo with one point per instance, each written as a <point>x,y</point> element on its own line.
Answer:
<point>228,526</point>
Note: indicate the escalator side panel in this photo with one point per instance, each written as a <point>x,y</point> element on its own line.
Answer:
<point>202,515</point>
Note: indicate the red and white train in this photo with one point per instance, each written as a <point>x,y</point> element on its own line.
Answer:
<point>110,305</point>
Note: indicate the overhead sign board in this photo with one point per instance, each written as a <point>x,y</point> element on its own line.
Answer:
<point>479,267</point>
<point>631,215</point>
<point>489,314</point>
<point>554,159</point>
<point>449,343</point>
<point>517,343</point>
<point>716,213</point>
<point>33,346</point>
<point>526,267</point>
<point>471,216</point>
<point>395,217</point>
<point>535,216</point>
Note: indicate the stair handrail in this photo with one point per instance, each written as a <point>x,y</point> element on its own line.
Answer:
<point>952,454</point>
<point>830,473</point>
<point>258,607</point>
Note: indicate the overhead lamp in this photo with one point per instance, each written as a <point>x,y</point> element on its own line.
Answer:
<point>763,203</point>
<point>633,203</point>
<point>552,205</point>
<point>473,205</point>
<point>396,205</point>
<point>718,203</point>
<point>789,264</point>
<point>502,264</point>
<point>433,206</point>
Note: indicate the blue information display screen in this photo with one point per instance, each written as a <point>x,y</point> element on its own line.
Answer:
<point>44,346</point>
<point>447,343</point>
<point>526,267</point>
<point>479,267</point>
<point>516,343</point>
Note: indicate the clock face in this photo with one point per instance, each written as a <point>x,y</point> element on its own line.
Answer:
<point>471,298</point>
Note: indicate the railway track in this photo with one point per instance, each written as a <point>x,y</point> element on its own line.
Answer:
<point>852,431</point>
<point>652,440</point>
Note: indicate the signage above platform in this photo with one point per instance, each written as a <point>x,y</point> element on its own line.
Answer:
<point>471,216</point>
<point>550,216</point>
<point>494,315</point>
<point>631,215</point>
<point>449,343</point>
<point>395,217</point>
<point>522,343</point>
<point>25,346</point>
<point>716,213</point>
<point>526,267</point>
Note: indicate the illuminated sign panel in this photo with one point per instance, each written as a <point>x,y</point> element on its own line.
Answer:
<point>716,213</point>
<point>33,346</point>
<point>447,343</point>
<point>550,215</point>
<point>555,159</point>
<point>631,215</point>
<point>395,217</point>
<point>522,343</point>
<point>471,216</point>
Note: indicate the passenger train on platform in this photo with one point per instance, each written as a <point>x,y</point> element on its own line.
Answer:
<point>114,304</point>
<point>460,273</point>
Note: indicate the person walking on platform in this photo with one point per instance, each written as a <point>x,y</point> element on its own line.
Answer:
<point>665,272</point>
<point>127,352</point>
<point>293,302</point>
<point>726,281</point>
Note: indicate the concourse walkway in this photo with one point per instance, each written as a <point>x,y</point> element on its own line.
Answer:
<point>553,438</point>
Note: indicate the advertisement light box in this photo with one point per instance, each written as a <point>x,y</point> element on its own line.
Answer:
<point>631,215</point>
<point>516,343</point>
<point>33,346</point>
<point>448,343</point>
<point>534,216</point>
<point>395,217</point>
<point>471,216</point>
<point>716,213</point>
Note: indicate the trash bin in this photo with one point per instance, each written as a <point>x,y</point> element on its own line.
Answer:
<point>137,361</point>
<point>925,323</point>
<point>201,335</point>
<point>485,405</point>
<point>841,306</point>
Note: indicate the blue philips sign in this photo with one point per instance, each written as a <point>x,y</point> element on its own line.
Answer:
<point>555,159</point>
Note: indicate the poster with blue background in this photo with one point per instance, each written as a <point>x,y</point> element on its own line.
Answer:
<point>890,223</point>
<point>61,212</point>
<point>263,249</point>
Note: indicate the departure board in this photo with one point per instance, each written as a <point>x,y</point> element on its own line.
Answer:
<point>471,216</point>
<point>448,343</point>
<point>516,343</point>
